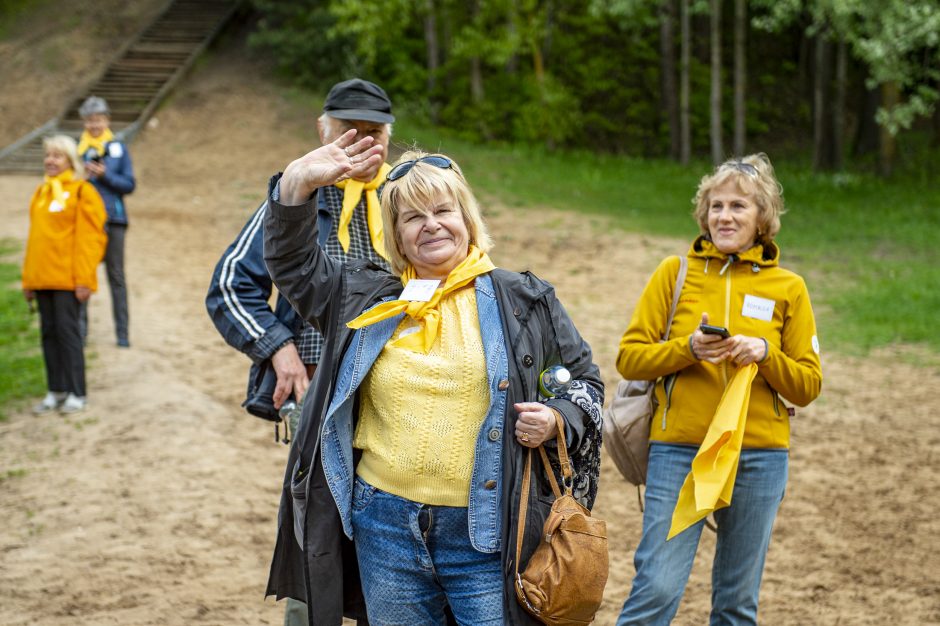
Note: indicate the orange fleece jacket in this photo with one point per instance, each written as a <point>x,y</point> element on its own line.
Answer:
<point>65,246</point>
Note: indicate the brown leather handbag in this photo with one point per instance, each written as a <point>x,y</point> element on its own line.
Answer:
<point>563,582</point>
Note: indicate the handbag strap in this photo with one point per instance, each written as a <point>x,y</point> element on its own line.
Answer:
<point>527,481</point>
<point>676,292</point>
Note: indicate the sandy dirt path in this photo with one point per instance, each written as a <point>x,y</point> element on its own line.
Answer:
<point>157,506</point>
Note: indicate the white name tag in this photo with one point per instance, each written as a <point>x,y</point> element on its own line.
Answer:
<point>115,151</point>
<point>758,308</point>
<point>419,290</point>
<point>55,207</point>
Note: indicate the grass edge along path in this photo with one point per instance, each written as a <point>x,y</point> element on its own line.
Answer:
<point>865,246</point>
<point>22,375</point>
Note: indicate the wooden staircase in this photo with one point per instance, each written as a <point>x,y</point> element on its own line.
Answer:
<point>139,77</point>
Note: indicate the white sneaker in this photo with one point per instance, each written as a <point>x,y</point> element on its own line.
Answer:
<point>50,403</point>
<point>72,404</point>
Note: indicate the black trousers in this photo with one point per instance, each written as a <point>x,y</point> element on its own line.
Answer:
<point>114,264</point>
<point>61,341</point>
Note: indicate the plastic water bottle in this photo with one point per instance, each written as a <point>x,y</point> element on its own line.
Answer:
<point>554,381</point>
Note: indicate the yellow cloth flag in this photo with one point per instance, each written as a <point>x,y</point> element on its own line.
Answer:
<point>87,141</point>
<point>709,485</point>
<point>52,189</point>
<point>352,193</point>
<point>428,313</point>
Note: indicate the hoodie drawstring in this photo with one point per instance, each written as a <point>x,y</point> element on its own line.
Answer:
<point>732,258</point>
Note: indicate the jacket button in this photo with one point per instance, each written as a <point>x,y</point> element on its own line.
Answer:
<point>494,434</point>
<point>527,360</point>
<point>517,311</point>
<point>503,385</point>
<point>490,484</point>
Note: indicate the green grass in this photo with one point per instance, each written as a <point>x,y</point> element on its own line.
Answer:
<point>22,374</point>
<point>867,247</point>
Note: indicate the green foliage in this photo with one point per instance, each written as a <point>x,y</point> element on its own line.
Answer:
<point>569,74</point>
<point>299,35</point>
<point>21,367</point>
<point>10,10</point>
<point>896,41</point>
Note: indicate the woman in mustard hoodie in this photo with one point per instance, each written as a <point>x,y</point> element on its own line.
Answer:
<point>737,307</point>
<point>65,244</point>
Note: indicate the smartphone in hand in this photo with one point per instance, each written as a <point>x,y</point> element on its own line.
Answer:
<point>708,329</point>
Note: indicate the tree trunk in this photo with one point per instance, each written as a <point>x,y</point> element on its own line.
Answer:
<point>433,53</point>
<point>867,135</point>
<point>822,136</point>
<point>476,82</point>
<point>740,76</point>
<point>549,32</point>
<point>667,74</point>
<point>685,128</point>
<point>936,120</point>
<point>838,107</point>
<point>890,97</point>
<point>478,95</point>
<point>718,151</point>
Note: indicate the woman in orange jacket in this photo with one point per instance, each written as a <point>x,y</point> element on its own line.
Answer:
<point>65,244</point>
<point>738,310</point>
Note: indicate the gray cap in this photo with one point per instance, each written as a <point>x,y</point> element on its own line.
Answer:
<point>359,99</point>
<point>94,105</point>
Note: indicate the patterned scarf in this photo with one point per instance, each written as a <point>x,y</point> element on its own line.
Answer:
<point>429,313</point>
<point>352,193</point>
<point>87,141</point>
<point>52,188</point>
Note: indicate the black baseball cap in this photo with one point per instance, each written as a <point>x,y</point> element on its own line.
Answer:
<point>358,99</point>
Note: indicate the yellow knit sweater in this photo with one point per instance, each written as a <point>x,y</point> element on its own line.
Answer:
<point>420,414</point>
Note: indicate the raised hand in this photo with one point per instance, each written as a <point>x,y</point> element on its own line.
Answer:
<point>327,165</point>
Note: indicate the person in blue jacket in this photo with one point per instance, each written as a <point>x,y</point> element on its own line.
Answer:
<point>349,226</point>
<point>108,167</point>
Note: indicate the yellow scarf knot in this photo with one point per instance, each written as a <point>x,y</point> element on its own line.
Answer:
<point>352,193</point>
<point>87,141</point>
<point>709,485</point>
<point>52,188</point>
<point>428,313</point>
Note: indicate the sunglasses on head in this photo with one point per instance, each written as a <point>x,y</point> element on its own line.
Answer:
<point>741,166</point>
<point>403,168</point>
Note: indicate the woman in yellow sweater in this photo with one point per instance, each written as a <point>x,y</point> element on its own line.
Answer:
<point>65,244</point>
<point>404,481</point>
<point>762,315</point>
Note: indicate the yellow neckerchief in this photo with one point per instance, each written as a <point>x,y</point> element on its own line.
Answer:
<point>709,485</point>
<point>52,188</point>
<point>352,192</point>
<point>87,141</point>
<point>476,263</point>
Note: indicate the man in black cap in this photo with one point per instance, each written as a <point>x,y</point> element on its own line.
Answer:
<point>350,225</point>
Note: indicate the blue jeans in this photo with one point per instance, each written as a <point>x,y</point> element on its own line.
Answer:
<point>662,567</point>
<point>415,559</point>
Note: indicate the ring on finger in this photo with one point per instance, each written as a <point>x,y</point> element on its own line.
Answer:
<point>524,437</point>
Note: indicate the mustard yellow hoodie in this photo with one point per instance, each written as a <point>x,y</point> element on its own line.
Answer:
<point>750,295</point>
<point>65,243</point>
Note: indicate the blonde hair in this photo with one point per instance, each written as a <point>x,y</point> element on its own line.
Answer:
<point>67,146</point>
<point>419,189</point>
<point>754,175</point>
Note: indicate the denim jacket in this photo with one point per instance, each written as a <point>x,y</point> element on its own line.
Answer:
<point>116,182</point>
<point>336,434</point>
